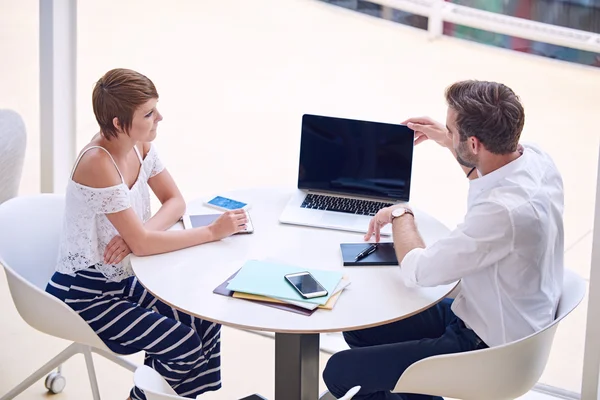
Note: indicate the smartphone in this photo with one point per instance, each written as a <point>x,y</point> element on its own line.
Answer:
<point>226,204</point>
<point>306,285</point>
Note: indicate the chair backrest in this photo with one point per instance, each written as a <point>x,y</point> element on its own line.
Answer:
<point>13,140</point>
<point>30,235</point>
<point>30,229</point>
<point>351,393</point>
<point>153,385</point>
<point>502,372</point>
<point>572,293</point>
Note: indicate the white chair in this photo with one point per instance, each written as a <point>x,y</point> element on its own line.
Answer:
<point>156,388</point>
<point>326,395</point>
<point>29,238</point>
<point>13,140</point>
<point>504,372</point>
<point>350,394</point>
<point>153,385</point>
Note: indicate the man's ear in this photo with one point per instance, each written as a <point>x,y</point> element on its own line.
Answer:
<point>475,144</point>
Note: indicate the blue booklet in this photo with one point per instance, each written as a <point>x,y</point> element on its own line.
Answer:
<point>268,279</point>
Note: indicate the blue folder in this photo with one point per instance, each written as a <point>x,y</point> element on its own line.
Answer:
<point>267,279</point>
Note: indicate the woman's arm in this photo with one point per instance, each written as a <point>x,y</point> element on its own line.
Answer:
<point>145,242</point>
<point>172,203</point>
<point>96,170</point>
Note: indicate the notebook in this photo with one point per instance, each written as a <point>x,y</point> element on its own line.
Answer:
<point>327,306</point>
<point>385,254</point>
<point>222,290</point>
<point>267,279</point>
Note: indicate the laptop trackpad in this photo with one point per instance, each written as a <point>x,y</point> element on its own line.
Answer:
<point>338,219</point>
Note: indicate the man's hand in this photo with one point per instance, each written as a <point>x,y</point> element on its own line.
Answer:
<point>381,219</point>
<point>426,128</point>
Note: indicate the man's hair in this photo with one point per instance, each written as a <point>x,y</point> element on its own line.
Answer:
<point>489,111</point>
<point>118,94</point>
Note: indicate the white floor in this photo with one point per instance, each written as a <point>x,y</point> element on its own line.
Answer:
<point>235,78</point>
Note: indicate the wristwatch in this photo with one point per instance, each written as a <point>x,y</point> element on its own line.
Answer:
<point>398,212</point>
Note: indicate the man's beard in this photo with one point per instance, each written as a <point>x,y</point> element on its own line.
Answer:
<point>462,161</point>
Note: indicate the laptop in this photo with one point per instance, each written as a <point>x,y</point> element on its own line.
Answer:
<point>349,170</point>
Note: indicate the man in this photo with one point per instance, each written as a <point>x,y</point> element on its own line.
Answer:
<point>508,252</point>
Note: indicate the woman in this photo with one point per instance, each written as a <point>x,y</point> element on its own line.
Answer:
<point>108,217</point>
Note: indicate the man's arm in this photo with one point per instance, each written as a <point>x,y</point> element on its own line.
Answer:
<point>485,237</point>
<point>429,129</point>
<point>408,238</point>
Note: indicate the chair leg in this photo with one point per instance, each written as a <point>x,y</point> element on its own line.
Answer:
<point>116,359</point>
<point>56,362</point>
<point>63,356</point>
<point>326,396</point>
<point>87,353</point>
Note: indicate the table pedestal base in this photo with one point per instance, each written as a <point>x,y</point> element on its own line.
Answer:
<point>296,366</point>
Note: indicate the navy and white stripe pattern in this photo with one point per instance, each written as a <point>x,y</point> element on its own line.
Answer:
<point>183,349</point>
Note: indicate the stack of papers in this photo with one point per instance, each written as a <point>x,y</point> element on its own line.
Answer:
<point>265,281</point>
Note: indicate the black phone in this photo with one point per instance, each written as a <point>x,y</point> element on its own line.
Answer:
<point>306,285</point>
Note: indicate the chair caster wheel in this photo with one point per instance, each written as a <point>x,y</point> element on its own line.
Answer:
<point>55,382</point>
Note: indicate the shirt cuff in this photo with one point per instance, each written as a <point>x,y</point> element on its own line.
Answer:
<point>408,267</point>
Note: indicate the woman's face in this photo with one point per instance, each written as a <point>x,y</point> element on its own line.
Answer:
<point>145,122</point>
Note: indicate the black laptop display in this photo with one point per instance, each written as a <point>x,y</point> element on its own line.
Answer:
<point>359,158</point>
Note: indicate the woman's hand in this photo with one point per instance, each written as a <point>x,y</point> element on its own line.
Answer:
<point>229,223</point>
<point>116,251</point>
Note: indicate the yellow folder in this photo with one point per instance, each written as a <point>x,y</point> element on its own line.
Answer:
<point>327,306</point>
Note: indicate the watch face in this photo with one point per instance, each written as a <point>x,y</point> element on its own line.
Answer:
<point>398,212</point>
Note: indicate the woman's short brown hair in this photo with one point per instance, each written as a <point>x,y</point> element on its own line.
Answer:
<point>118,94</point>
<point>489,111</point>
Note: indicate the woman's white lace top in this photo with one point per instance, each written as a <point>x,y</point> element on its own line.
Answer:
<point>87,230</point>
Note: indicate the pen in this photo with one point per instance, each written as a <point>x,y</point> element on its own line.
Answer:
<point>369,250</point>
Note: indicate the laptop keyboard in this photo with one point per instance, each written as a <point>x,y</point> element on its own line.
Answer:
<point>342,204</point>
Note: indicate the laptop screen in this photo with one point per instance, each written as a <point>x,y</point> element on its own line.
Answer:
<point>360,158</point>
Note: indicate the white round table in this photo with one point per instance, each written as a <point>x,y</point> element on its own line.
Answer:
<point>185,279</point>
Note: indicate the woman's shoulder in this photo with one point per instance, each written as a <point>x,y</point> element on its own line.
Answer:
<point>96,184</point>
<point>148,150</point>
<point>96,168</point>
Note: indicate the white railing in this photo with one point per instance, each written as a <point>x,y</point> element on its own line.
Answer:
<point>440,11</point>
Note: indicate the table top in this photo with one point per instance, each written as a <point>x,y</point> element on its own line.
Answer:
<point>185,279</point>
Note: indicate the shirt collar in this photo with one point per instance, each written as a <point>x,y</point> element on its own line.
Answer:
<point>490,180</point>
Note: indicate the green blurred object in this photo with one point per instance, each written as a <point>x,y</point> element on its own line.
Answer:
<point>479,35</point>
<point>576,14</point>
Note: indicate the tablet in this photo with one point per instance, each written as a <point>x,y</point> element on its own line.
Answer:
<point>199,220</point>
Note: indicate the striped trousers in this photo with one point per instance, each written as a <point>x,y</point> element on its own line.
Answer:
<point>183,349</point>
